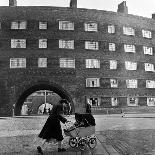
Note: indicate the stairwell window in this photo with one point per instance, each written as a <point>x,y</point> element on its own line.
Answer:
<point>42,43</point>
<point>18,25</point>
<point>92,82</point>
<point>111,29</point>
<point>42,25</point>
<point>90,26</point>
<point>150,84</point>
<point>67,63</point>
<point>42,62</point>
<point>92,63</point>
<point>131,83</point>
<point>149,67</point>
<point>130,65</point>
<point>112,47</point>
<point>18,43</point>
<point>68,44</point>
<point>146,34</point>
<point>66,25</point>
<point>91,45</point>
<point>17,62</point>
<point>128,31</point>
<point>129,48</point>
<point>113,64</point>
<point>148,50</point>
<point>113,83</point>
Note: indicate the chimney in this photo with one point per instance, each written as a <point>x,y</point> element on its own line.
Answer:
<point>12,2</point>
<point>122,8</point>
<point>73,4</point>
<point>153,16</point>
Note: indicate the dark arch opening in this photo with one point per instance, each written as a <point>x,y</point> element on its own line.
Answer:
<point>52,87</point>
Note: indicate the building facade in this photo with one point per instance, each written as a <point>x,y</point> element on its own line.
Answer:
<point>102,57</point>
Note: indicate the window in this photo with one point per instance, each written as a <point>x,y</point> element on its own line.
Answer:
<point>132,101</point>
<point>148,50</point>
<point>42,43</point>
<point>67,63</point>
<point>93,101</point>
<point>129,48</point>
<point>150,84</point>
<point>92,82</point>
<point>146,34</point>
<point>18,43</point>
<point>111,29</point>
<point>113,64</point>
<point>42,62</point>
<point>68,44</point>
<point>90,26</point>
<point>92,45</point>
<point>131,83</point>
<point>113,83</point>
<point>128,31</point>
<point>18,25</point>
<point>130,65</point>
<point>149,67</point>
<point>66,25</point>
<point>112,47</point>
<point>18,63</point>
<point>42,25</point>
<point>114,101</point>
<point>151,101</point>
<point>92,63</point>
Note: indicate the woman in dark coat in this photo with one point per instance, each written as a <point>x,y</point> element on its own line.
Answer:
<point>52,128</point>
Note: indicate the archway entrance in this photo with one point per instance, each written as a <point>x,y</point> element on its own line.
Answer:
<point>37,87</point>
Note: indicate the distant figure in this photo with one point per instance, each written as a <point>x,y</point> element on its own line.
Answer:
<point>122,112</point>
<point>52,128</point>
<point>88,108</point>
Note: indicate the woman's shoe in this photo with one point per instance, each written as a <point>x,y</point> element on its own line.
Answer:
<point>40,150</point>
<point>61,149</point>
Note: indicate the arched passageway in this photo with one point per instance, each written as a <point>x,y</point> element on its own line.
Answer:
<point>52,87</point>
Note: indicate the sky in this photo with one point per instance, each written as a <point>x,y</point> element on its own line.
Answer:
<point>143,8</point>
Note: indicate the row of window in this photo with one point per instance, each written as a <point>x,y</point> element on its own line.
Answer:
<point>89,26</point>
<point>130,83</point>
<point>69,44</point>
<point>70,63</point>
<point>114,101</point>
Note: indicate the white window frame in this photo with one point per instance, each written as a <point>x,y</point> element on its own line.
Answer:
<point>92,63</point>
<point>113,83</point>
<point>91,27</point>
<point>129,48</point>
<point>112,47</point>
<point>67,44</point>
<point>150,84</point>
<point>18,43</point>
<point>130,104</point>
<point>93,82</point>
<point>42,25</point>
<point>146,34</point>
<point>67,63</point>
<point>42,43</point>
<point>131,83</point>
<point>42,62</point>
<point>111,29</point>
<point>148,50</point>
<point>151,101</point>
<point>16,25</point>
<point>114,101</point>
<point>91,45</point>
<point>129,65</point>
<point>128,31</point>
<point>113,64</point>
<point>149,67</point>
<point>66,25</point>
<point>17,62</point>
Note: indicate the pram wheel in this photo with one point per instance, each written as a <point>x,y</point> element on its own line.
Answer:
<point>92,143</point>
<point>82,144</point>
<point>73,142</point>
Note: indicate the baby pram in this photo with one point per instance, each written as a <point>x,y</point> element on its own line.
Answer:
<point>81,135</point>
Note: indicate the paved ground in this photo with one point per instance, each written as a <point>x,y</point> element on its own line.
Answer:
<point>133,134</point>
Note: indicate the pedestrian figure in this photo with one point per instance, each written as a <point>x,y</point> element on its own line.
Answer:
<point>122,112</point>
<point>52,128</point>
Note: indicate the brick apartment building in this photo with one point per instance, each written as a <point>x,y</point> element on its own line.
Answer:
<point>105,58</point>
